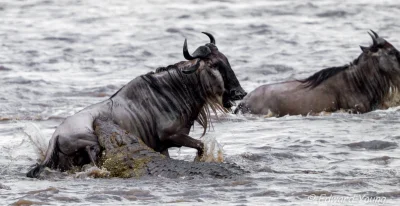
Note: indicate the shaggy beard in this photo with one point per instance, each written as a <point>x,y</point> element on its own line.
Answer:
<point>212,105</point>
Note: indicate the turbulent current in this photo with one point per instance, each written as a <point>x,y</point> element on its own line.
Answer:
<point>57,57</point>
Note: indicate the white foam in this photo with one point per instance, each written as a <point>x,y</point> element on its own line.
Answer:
<point>37,139</point>
<point>92,171</point>
<point>213,151</point>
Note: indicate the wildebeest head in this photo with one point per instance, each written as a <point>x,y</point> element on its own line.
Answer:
<point>215,61</point>
<point>382,53</point>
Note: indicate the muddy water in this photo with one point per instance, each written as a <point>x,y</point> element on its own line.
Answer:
<point>58,57</point>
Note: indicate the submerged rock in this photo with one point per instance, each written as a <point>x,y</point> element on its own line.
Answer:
<point>126,156</point>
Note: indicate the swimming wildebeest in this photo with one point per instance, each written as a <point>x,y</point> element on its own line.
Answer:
<point>358,87</point>
<point>159,108</point>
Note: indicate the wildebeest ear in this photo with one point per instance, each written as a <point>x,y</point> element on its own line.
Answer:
<point>192,68</point>
<point>364,49</point>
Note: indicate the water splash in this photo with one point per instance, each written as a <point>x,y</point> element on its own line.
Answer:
<point>213,151</point>
<point>36,138</point>
<point>88,171</point>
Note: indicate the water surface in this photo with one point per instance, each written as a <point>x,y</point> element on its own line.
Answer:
<point>58,57</point>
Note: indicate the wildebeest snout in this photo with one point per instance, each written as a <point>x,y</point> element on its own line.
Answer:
<point>237,94</point>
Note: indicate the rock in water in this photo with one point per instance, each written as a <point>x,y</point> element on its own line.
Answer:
<point>127,156</point>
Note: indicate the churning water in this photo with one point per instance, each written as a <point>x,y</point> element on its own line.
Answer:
<point>57,57</point>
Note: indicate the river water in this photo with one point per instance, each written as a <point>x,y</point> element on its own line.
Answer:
<point>57,57</point>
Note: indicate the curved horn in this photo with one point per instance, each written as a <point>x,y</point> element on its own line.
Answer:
<point>212,40</point>
<point>186,52</point>
<point>192,68</point>
<point>373,39</point>
<point>376,35</point>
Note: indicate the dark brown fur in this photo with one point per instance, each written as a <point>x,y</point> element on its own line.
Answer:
<point>159,108</point>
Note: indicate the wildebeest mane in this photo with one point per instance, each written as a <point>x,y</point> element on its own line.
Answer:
<point>324,74</point>
<point>163,69</point>
<point>320,76</point>
<point>369,79</point>
<point>180,91</point>
<point>158,70</point>
<point>363,76</point>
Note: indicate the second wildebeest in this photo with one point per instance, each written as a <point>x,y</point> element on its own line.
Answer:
<point>160,108</point>
<point>358,87</point>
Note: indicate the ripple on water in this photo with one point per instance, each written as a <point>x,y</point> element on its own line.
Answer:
<point>356,183</point>
<point>132,194</point>
<point>101,198</point>
<point>22,80</point>
<point>4,187</point>
<point>384,160</point>
<point>373,145</point>
<point>336,14</point>
<point>266,193</point>
<point>3,68</point>
<point>50,69</point>
<point>62,39</point>
<point>67,199</point>
<point>253,156</point>
<point>287,155</point>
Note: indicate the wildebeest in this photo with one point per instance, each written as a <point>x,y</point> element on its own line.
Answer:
<point>358,87</point>
<point>159,108</point>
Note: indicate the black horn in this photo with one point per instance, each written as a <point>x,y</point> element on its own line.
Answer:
<point>200,52</point>
<point>373,39</point>
<point>376,35</point>
<point>212,39</point>
<point>186,52</point>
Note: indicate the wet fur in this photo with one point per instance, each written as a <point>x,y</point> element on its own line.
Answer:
<point>159,107</point>
<point>358,87</point>
<point>358,76</point>
<point>173,92</point>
